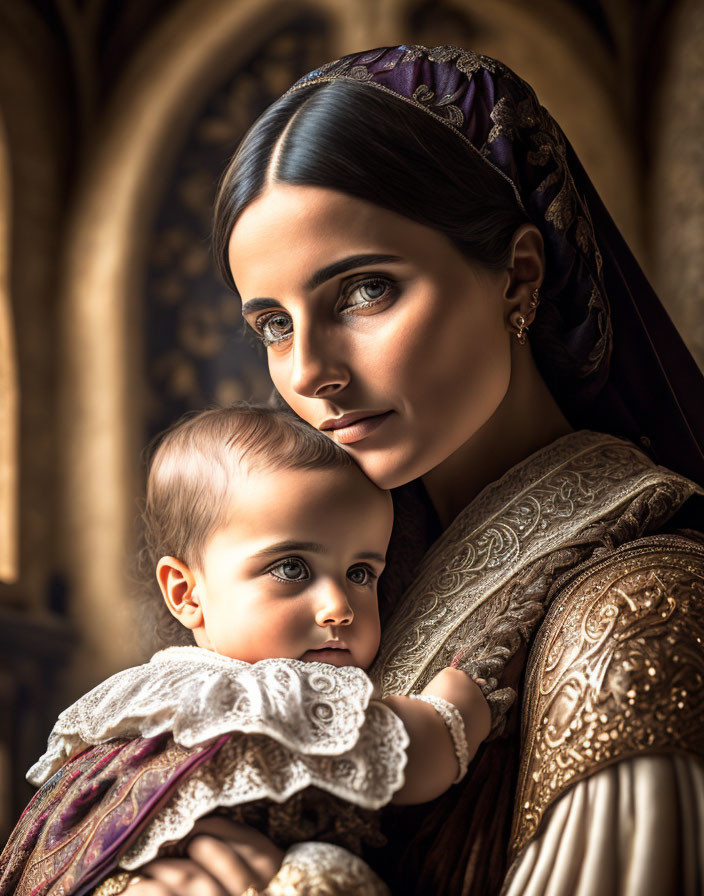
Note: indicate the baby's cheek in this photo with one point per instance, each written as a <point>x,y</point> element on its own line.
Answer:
<point>289,626</point>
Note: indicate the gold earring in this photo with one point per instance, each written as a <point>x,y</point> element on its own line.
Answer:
<point>535,301</point>
<point>519,322</point>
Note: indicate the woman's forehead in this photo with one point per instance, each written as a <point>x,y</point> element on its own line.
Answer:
<point>291,233</point>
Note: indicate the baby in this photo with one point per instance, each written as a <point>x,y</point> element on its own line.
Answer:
<point>268,543</point>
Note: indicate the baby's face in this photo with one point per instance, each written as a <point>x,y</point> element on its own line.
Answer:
<point>293,572</point>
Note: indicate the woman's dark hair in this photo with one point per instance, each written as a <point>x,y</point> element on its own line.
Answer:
<point>370,144</point>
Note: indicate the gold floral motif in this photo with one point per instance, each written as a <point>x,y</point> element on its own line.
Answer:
<point>509,117</point>
<point>617,670</point>
<point>547,148</point>
<point>444,106</point>
<point>466,61</point>
<point>359,73</point>
<point>561,211</point>
<point>469,62</point>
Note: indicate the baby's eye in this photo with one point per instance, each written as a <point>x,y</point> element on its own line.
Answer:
<point>360,575</point>
<point>290,570</point>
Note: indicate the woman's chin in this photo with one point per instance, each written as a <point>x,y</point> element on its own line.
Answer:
<point>389,469</point>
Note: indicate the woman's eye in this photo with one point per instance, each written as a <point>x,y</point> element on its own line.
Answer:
<point>274,327</point>
<point>368,292</point>
<point>291,570</point>
<point>360,575</point>
<point>277,326</point>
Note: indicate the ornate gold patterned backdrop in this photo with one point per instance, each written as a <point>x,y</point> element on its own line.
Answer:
<point>116,120</point>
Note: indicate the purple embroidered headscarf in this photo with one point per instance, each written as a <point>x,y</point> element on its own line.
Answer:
<point>601,338</point>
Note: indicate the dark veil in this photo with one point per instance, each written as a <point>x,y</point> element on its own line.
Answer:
<point>601,338</point>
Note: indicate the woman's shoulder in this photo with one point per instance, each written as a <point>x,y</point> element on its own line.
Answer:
<point>616,670</point>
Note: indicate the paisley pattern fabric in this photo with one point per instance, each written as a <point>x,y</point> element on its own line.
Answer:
<point>72,832</point>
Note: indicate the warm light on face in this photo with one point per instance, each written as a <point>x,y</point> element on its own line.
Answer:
<point>371,317</point>
<point>296,566</point>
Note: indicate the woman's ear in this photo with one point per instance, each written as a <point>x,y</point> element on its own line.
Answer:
<point>178,587</point>
<point>526,270</point>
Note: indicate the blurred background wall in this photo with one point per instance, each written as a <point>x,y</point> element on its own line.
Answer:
<point>116,119</point>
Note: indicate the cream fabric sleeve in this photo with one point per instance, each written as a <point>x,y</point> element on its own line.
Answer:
<point>633,829</point>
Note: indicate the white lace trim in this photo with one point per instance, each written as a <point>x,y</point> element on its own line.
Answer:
<point>452,718</point>
<point>198,695</point>
<point>256,767</point>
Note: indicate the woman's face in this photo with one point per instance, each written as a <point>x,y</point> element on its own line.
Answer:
<point>378,331</point>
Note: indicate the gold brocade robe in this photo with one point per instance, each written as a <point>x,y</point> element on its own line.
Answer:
<point>615,669</point>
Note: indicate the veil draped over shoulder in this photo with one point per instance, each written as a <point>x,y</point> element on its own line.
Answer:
<point>601,338</point>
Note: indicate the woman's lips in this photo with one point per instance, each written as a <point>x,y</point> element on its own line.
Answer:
<point>360,429</point>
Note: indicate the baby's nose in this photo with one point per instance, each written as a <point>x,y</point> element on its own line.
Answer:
<point>334,608</point>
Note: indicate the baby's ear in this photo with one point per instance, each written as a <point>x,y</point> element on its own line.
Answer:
<point>178,587</point>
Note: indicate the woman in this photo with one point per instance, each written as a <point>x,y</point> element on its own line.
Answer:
<point>439,288</point>
<point>443,165</point>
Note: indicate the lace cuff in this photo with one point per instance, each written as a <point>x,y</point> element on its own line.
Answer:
<point>452,717</point>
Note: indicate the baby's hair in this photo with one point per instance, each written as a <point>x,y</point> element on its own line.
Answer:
<point>190,477</point>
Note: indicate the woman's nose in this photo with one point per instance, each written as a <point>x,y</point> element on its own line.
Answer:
<point>318,370</point>
<point>333,607</point>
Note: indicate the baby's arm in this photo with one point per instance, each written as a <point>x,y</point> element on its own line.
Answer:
<point>432,762</point>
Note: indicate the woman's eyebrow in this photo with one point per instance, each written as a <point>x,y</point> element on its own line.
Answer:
<point>258,305</point>
<point>347,264</point>
<point>321,276</point>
